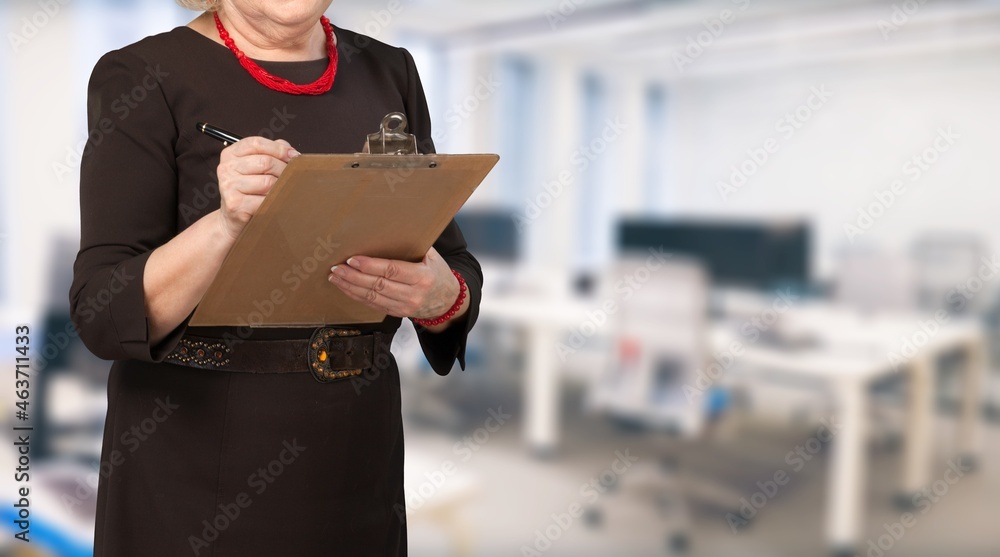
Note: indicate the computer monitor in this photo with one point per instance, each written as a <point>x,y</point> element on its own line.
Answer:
<point>745,254</point>
<point>491,234</point>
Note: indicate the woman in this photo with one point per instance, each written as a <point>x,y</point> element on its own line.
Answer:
<point>220,444</point>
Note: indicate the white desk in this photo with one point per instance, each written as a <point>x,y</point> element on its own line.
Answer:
<point>851,355</point>
<point>544,319</point>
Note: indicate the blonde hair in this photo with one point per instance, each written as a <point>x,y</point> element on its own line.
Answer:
<point>200,5</point>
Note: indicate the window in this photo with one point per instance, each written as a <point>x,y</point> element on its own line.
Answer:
<point>653,197</point>
<point>518,134</point>
<point>597,180</point>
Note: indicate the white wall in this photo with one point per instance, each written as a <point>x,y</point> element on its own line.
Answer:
<point>891,94</point>
<point>882,113</point>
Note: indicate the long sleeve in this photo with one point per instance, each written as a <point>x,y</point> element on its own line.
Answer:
<point>442,349</point>
<point>128,206</point>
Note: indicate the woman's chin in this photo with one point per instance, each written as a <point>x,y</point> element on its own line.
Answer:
<point>287,12</point>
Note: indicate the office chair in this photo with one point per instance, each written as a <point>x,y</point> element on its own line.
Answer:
<point>873,280</point>
<point>943,261</point>
<point>652,384</point>
<point>946,261</point>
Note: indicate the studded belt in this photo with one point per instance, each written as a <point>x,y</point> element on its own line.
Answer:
<point>330,354</point>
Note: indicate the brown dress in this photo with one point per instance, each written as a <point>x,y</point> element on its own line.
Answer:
<point>219,463</point>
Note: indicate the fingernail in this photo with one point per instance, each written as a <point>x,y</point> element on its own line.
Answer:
<point>333,269</point>
<point>352,262</point>
<point>292,153</point>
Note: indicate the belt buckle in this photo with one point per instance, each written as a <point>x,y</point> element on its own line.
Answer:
<point>320,354</point>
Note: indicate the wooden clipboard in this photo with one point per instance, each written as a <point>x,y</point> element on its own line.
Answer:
<point>388,202</point>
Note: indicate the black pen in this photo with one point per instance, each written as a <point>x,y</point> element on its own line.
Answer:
<point>227,138</point>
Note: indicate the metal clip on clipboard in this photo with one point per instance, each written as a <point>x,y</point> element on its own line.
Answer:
<point>391,139</point>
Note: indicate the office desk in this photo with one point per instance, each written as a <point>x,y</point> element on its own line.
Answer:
<point>851,354</point>
<point>544,319</point>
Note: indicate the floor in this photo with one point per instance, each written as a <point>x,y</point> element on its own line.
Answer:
<point>521,504</point>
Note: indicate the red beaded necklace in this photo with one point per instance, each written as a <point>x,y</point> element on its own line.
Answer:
<point>318,87</point>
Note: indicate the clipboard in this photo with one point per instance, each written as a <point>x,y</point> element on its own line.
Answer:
<point>388,201</point>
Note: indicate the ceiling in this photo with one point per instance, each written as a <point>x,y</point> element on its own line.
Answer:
<point>647,35</point>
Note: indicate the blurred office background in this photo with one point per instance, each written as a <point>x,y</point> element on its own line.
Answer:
<point>740,255</point>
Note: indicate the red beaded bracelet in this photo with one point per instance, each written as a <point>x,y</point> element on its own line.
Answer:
<point>454,308</point>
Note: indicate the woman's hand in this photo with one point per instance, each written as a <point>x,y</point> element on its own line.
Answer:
<point>248,169</point>
<point>422,290</point>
